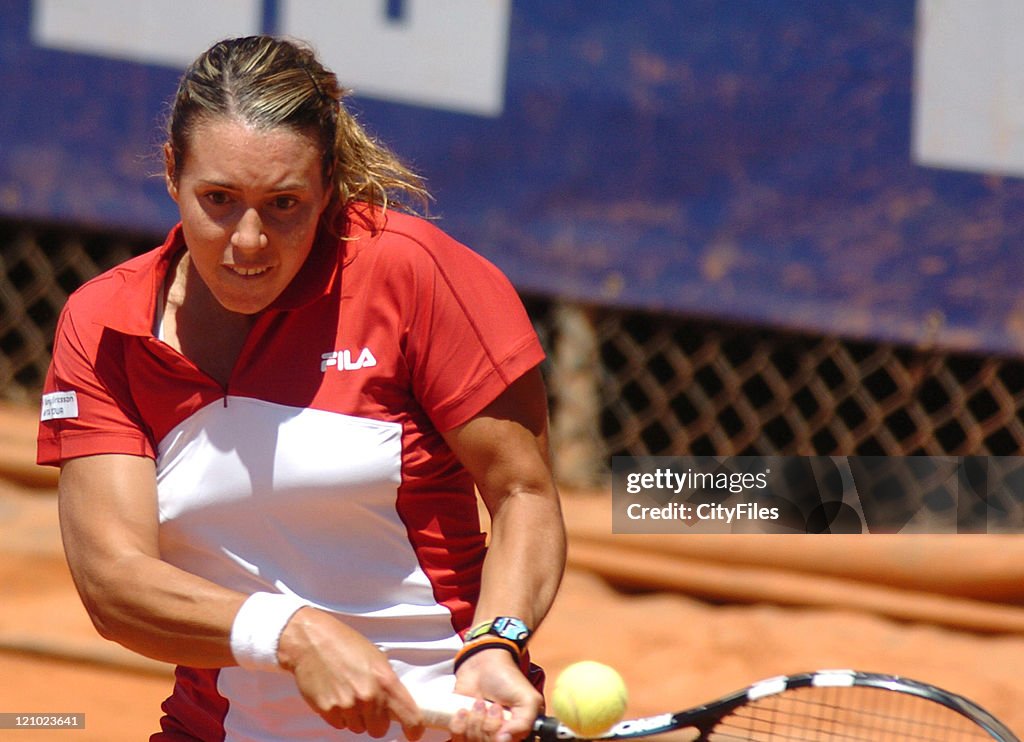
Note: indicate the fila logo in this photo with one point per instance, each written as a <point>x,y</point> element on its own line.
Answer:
<point>342,360</point>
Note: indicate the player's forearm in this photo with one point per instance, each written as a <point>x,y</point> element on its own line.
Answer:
<point>160,611</point>
<point>525,559</point>
<point>108,518</point>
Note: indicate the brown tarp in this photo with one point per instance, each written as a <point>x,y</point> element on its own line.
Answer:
<point>973,582</point>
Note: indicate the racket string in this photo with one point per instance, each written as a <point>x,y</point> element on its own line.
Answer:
<point>849,714</point>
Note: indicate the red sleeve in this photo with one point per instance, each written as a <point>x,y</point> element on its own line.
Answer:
<point>86,406</point>
<point>470,337</point>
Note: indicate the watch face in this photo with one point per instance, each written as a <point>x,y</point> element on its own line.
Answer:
<point>507,627</point>
<point>510,628</point>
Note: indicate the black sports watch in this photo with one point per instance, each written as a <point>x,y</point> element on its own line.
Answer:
<point>507,627</point>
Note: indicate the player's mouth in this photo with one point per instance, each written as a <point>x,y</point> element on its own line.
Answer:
<point>244,272</point>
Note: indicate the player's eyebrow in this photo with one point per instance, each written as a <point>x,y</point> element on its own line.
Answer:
<point>277,188</point>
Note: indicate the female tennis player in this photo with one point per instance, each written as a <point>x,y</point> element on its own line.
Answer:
<point>271,430</point>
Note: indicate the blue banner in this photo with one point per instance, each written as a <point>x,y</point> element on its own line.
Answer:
<point>794,163</point>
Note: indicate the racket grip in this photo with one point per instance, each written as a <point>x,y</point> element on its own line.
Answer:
<point>439,708</point>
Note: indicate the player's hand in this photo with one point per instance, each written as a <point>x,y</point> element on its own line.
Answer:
<point>345,678</point>
<point>514,702</point>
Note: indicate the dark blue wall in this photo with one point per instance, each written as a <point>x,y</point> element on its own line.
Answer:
<point>729,159</point>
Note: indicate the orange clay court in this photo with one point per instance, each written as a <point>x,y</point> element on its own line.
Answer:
<point>684,619</point>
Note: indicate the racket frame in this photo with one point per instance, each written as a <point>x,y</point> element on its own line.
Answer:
<point>704,718</point>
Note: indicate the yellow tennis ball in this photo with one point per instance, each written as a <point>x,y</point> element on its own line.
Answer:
<point>589,698</point>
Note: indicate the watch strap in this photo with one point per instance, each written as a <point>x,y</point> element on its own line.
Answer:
<point>509,628</point>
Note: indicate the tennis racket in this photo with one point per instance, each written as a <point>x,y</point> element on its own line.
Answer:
<point>826,705</point>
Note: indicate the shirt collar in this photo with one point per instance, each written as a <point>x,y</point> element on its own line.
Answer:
<point>137,284</point>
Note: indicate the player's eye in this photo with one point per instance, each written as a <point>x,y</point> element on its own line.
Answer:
<point>285,202</point>
<point>218,198</point>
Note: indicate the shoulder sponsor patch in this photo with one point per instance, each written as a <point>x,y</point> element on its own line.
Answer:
<point>59,406</point>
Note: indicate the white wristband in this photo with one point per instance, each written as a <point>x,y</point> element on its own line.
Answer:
<point>257,629</point>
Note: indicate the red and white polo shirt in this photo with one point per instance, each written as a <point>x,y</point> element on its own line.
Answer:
<point>319,469</point>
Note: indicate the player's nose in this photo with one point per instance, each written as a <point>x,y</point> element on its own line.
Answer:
<point>249,234</point>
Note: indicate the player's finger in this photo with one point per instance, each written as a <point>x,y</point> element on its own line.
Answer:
<point>353,720</point>
<point>413,733</point>
<point>459,725</point>
<point>491,718</point>
<point>402,707</point>
<point>494,723</point>
<point>378,721</point>
<point>475,724</point>
<point>515,726</point>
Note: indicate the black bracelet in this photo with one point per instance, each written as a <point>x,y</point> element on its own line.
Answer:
<point>486,642</point>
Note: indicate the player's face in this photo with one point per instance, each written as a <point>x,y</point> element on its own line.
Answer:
<point>250,201</point>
